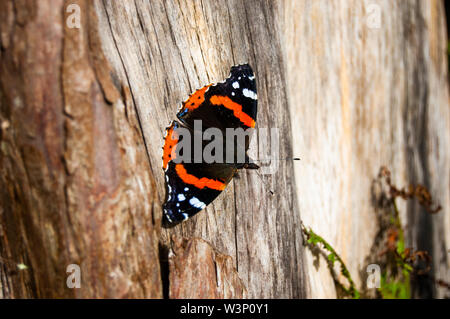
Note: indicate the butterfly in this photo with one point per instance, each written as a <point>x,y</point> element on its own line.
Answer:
<point>194,182</point>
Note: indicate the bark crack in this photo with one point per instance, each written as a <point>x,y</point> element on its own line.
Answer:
<point>129,85</point>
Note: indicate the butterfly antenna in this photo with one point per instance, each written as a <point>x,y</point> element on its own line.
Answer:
<point>280,159</point>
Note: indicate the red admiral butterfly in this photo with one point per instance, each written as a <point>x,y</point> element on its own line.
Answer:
<point>231,104</point>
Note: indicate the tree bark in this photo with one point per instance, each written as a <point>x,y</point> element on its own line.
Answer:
<point>76,185</point>
<point>83,113</point>
<point>209,273</point>
<point>186,45</point>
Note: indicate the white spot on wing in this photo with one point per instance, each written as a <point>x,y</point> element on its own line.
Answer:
<point>236,85</point>
<point>181,197</point>
<point>250,94</point>
<point>167,215</point>
<point>196,203</point>
<point>169,197</point>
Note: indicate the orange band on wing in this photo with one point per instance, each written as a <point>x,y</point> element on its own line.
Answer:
<point>235,107</point>
<point>195,99</point>
<point>198,182</point>
<point>169,146</point>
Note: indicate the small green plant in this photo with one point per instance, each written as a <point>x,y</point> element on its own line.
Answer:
<point>395,280</point>
<point>394,289</point>
<point>315,240</point>
<point>393,286</point>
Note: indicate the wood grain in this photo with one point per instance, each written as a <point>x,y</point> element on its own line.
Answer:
<point>167,50</point>
<point>198,271</point>
<point>362,98</point>
<point>75,180</point>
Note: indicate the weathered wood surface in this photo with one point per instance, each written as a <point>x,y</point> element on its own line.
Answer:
<point>362,97</point>
<point>209,273</point>
<point>83,113</point>
<point>167,50</point>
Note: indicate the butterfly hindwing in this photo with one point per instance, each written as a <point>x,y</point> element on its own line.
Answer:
<point>189,191</point>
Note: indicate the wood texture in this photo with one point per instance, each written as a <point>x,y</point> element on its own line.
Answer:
<point>83,113</point>
<point>365,97</point>
<point>209,273</point>
<point>75,180</point>
<point>167,50</point>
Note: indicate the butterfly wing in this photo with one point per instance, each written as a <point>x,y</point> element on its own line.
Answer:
<point>229,104</point>
<point>190,186</point>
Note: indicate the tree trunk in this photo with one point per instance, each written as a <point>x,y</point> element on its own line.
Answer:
<point>364,97</point>
<point>76,185</point>
<point>83,112</point>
